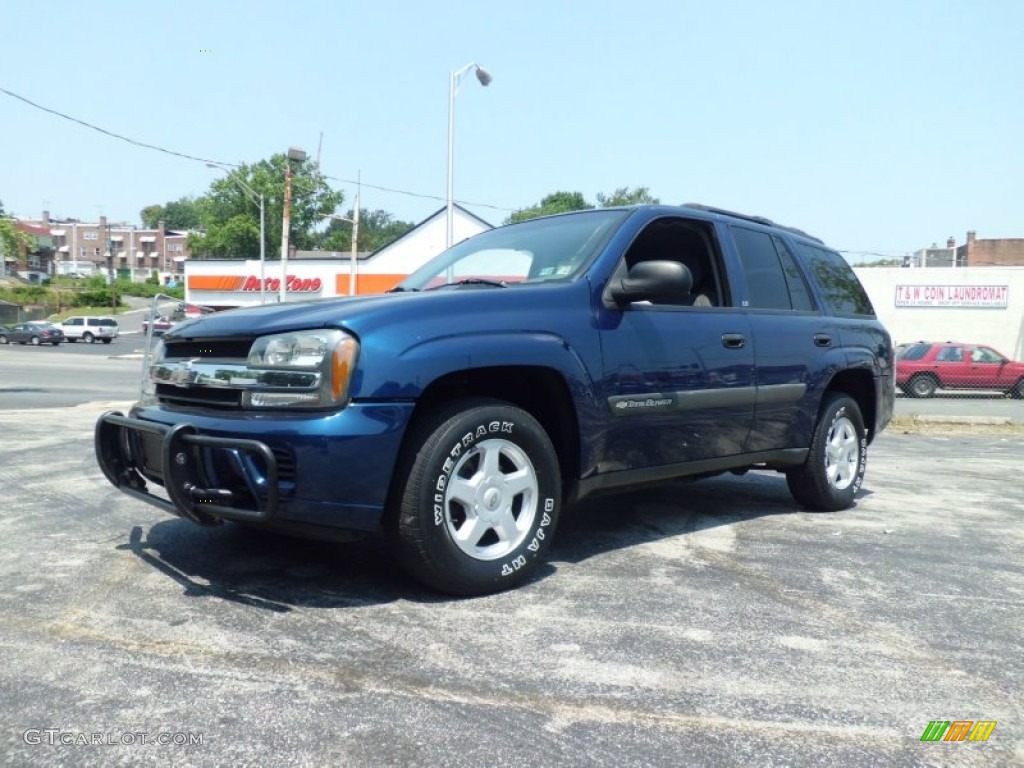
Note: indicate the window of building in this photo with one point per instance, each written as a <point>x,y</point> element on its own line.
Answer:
<point>90,235</point>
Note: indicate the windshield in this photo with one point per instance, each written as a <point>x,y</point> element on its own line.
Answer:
<point>534,251</point>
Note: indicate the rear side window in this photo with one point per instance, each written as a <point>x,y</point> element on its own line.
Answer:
<point>73,321</point>
<point>106,321</point>
<point>766,283</point>
<point>915,352</point>
<point>843,291</point>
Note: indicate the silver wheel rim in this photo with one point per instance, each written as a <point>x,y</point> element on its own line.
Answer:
<point>491,499</point>
<point>922,386</point>
<point>842,454</point>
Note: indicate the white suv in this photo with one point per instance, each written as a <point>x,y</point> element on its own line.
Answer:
<point>90,329</point>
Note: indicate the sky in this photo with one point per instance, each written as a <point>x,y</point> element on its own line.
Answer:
<point>880,126</point>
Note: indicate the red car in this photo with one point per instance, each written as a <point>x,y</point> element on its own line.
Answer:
<point>161,325</point>
<point>926,366</point>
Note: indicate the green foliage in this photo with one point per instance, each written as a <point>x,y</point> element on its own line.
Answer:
<point>556,202</point>
<point>183,213</point>
<point>627,196</point>
<point>376,229</point>
<point>13,242</point>
<point>564,202</point>
<point>230,218</point>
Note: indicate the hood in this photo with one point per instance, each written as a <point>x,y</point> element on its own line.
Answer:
<point>363,314</point>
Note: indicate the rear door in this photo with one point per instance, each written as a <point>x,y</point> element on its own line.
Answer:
<point>793,340</point>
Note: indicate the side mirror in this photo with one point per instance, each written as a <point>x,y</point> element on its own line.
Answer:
<point>658,281</point>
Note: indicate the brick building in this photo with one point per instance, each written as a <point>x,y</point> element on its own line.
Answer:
<point>1004,252</point>
<point>88,248</point>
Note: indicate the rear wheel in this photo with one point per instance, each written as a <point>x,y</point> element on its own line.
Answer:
<point>477,498</point>
<point>107,341</point>
<point>3,339</point>
<point>34,341</point>
<point>834,469</point>
<point>923,385</point>
<point>1017,390</point>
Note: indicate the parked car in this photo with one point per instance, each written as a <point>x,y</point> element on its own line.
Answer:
<point>926,366</point>
<point>161,324</point>
<point>522,369</point>
<point>90,329</point>
<point>35,333</point>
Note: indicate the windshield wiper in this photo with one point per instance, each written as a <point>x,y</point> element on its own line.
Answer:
<point>400,289</point>
<point>471,281</point>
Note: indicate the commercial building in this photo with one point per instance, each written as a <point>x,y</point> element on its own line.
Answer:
<point>222,283</point>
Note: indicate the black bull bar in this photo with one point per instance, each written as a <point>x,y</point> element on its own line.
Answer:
<point>130,450</point>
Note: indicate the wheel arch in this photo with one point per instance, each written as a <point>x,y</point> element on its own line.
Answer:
<point>540,391</point>
<point>858,383</point>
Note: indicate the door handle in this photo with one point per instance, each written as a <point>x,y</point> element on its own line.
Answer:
<point>822,340</point>
<point>733,340</point>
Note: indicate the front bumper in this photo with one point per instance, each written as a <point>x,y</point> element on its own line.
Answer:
<point>329,470</point>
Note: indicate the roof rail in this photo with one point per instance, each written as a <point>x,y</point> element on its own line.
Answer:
<point>756,219</point>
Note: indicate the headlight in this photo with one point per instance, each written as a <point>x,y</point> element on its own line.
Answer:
<point>330,355</point>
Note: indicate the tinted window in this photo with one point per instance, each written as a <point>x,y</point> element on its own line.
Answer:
<point>766,283</point>
<point>74,321</point>
<point>915,352</point>
<point>798,292</point>
<point>843,291</point>
<point>107,321</point>
<point>950,355</point>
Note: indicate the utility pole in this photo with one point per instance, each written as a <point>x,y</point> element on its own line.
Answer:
<point>296,155</point>
<point>355,244</point>
<point>285,226</point>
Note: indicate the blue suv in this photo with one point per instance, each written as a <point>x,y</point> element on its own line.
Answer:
<point>519,371</point>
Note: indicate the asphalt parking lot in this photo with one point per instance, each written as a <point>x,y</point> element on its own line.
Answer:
<point>694,624</point>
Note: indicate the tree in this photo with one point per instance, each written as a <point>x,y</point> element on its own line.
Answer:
<point>13,242</point>
<point>564,202</point>
<point>376,229</point>
<point>556,202</point>
<point>230,220</point>
<point>627,196</point>
<point>183,213</point>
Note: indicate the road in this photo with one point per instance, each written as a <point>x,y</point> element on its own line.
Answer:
<point>693,624</point>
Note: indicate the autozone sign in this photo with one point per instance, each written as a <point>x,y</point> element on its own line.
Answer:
<point>294,284</point>
<point>988,296</point>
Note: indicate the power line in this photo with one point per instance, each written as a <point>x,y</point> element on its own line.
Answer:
<point>205,160</point>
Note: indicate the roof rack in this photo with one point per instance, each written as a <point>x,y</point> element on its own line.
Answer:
<point>756,219</point>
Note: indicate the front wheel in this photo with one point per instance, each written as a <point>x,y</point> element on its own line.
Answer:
<point>88,338</point>
<point>477,498</point>
<point>34,341</point>
<point>834,469</point>
<point>3,339</point>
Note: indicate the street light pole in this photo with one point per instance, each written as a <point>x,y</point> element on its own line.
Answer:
<point>453,87</point>
<point>256,197</point>
<point>296,155</point>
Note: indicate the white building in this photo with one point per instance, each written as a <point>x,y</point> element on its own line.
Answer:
<point>225,283</point>
<point>980,305</point>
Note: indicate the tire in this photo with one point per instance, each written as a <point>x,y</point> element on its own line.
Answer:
<point>922,385</point>
<point>454,522</point>
<point>107,341</point>
<point>1017,390</point>
<point>3,339</point>
<point>88,338</point>
<point>834,469</point>
<point>34,341</point>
